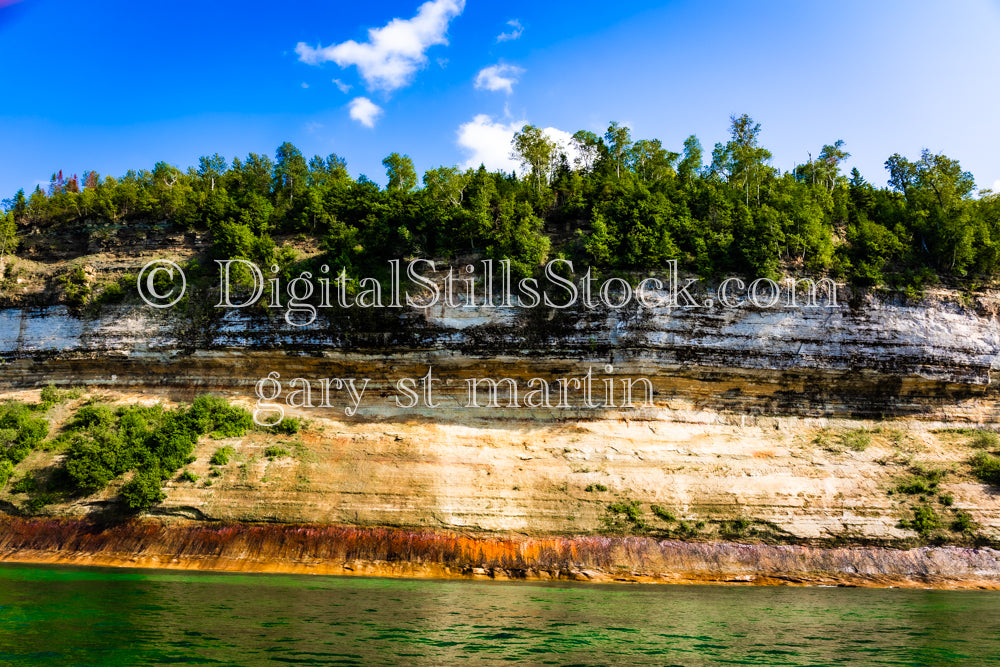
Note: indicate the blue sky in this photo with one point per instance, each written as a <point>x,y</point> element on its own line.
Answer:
<point>117,85</point>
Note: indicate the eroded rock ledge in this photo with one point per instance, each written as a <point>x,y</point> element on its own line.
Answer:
<point>345,550</point>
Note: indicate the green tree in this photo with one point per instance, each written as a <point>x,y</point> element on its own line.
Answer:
<point>825,170</point>
<point>445,185</point>
<point>830,158</point>
<point>535,151</point>
<point>742,160</point>
<point>938,196</point>
<point>255,174</point>
<point>516,234</point>
<point>291,174</point>
<point>618,139</point>
<point>651,162</point>
<point>588,149</point>
<point>690,165</point>
<point>400,171</point>
<point>211,168</point>
<point>8,238</point>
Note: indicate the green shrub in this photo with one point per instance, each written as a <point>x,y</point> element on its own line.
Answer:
<point>624,516</point>
<point>986,468</point>
<point>113,293</point>
<point>188,476</point>
<point>6,469</point>
<point>925,521</point>
<point>685,529</point>
<point>629,508</point>
<point>983,439</point>
<point>287,426</point>
<point>739,527</point>
<point>274,451</point>
<point>857,440</point>
<point>103,444</point>
<point>922,481</point>
<point>221,456</point>
<point>214,414</point>
<point>915,486</point>
<point>595,487</point>
<point>75,287</point>
<point>91,415</point>
<point>51,396</point>
<point>35,503</point>
<point>143,490</point>
<point>21,430</point>
<point>92,463</point>
<point>16,451</point>
<point>173,441</point>
<point>26,484</point>
<point>963,523</point>
<point>662,513</point>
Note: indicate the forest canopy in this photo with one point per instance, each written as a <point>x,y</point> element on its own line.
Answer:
<point>620,203</point>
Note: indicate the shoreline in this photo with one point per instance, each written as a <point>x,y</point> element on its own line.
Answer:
<point>401,553</point>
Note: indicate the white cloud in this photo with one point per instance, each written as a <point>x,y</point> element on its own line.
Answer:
<point>564,141</point>
<point>365,111</point>
<point>498,77</point>
<point>513,34</point>
<point>305,85</point>
<point>393,53</point>
<point>344,87</point>
<point>489,142</point>
<point>996,186</point>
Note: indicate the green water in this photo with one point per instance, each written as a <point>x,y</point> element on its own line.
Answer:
<point>78,616</point>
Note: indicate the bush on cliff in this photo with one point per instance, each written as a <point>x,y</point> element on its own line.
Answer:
<point>21,429</point>
<point>6,469</point>
<point>92,462</point>
<point>287,426</point>
<point>153,442</point>
<point>213,414</point>
<point>986,467</point>
<point>143,490</point>
<point>925,521</point>
<point>624,517</point>
<point>91,415</point>
<point>984,439</point>
<point>50,395</point>
<point>221,456</point>
<point>276,452</point>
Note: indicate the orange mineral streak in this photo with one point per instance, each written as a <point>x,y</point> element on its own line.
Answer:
<point>340,550</point>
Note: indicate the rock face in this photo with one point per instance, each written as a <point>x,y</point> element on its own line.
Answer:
<point>866,357</point>
<point>312,549</point>
<point>742,398</point>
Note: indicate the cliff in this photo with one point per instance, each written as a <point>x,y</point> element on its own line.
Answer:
<point>790,425</point>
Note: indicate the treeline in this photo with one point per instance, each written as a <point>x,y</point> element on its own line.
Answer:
<point>609,201</point>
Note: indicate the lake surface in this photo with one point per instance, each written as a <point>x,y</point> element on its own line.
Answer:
<point>97,616</point>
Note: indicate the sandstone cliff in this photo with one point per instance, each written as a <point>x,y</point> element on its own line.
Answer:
<point>754,433</point>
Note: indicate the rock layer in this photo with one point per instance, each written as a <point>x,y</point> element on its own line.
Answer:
<point>742,398</point>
